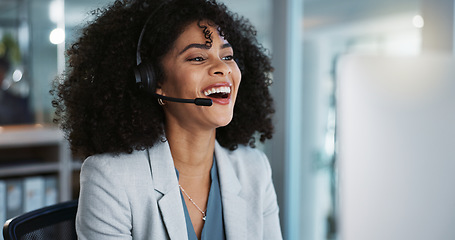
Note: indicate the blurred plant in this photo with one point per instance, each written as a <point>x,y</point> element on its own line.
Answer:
<point>9,49</point>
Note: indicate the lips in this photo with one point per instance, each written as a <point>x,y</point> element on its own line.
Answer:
<point>219,93</point>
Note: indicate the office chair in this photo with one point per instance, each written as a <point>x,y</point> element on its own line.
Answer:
<point>52,222</point>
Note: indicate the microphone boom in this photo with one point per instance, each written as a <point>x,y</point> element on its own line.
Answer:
<point>198,101</point>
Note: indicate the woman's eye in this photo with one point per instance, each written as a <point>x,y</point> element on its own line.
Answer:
<point>196,59</point>
<point>228,58</point>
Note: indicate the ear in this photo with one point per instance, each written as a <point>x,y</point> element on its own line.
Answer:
<point>159,90</point>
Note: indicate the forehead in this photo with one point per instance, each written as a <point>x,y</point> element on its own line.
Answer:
<point>196,32</point>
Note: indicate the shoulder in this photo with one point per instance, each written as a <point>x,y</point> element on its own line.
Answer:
<point>122,159</point>
<point>247,157</point>
<point>249,164</point>
<point>108,184</point>
<point>116,166</point>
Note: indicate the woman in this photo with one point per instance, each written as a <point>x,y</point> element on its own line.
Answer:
<point>159,169</point>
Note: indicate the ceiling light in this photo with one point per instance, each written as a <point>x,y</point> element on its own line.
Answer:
<point>57,36</point>
<point>417,21</point>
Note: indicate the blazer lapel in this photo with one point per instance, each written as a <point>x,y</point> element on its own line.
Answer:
<point>166,187</point>
<point>234,206</point>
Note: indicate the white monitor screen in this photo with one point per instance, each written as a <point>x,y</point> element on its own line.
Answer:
<point>396,147</point>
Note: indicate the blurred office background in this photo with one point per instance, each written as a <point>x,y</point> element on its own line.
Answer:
<point>364,108</point>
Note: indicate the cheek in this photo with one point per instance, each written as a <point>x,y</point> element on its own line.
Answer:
<point>189,83</point>
<point>237,78</point>
<point>181,81</point>
<point>237,72</point>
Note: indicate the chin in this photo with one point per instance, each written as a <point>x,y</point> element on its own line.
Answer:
<point>222,122</point>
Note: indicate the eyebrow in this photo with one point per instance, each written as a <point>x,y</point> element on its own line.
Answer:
<point>203,46</point>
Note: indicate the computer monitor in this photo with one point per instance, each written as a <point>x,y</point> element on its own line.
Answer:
<point>396,147</point>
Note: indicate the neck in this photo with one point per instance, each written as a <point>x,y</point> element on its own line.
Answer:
<point>192,150</point>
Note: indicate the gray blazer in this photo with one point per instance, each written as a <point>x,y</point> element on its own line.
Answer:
<point>135,196</point>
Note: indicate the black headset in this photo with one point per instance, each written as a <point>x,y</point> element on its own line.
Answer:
<point>144,72</point>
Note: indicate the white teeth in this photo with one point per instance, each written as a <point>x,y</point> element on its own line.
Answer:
<point>217,90</point>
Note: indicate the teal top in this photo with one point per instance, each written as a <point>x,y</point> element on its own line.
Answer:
<point>214,225</point>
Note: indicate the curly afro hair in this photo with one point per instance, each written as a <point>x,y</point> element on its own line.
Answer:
<point>98,104</point>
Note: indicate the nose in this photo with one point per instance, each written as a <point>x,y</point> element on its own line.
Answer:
<point>220,68</point>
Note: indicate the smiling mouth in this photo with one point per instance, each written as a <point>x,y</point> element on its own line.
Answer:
<point>218,92</point>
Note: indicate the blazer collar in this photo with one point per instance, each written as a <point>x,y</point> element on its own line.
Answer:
<point>170,203</point>
<point>234,206</point>
<point>168,193</point>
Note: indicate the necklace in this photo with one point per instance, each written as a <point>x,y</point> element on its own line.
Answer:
<point>198,208</point>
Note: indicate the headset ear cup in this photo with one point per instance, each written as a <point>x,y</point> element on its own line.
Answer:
<point>151,77</point>
<point>145,77</point>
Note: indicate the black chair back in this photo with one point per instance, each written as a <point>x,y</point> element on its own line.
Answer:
<point>52,222</point>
